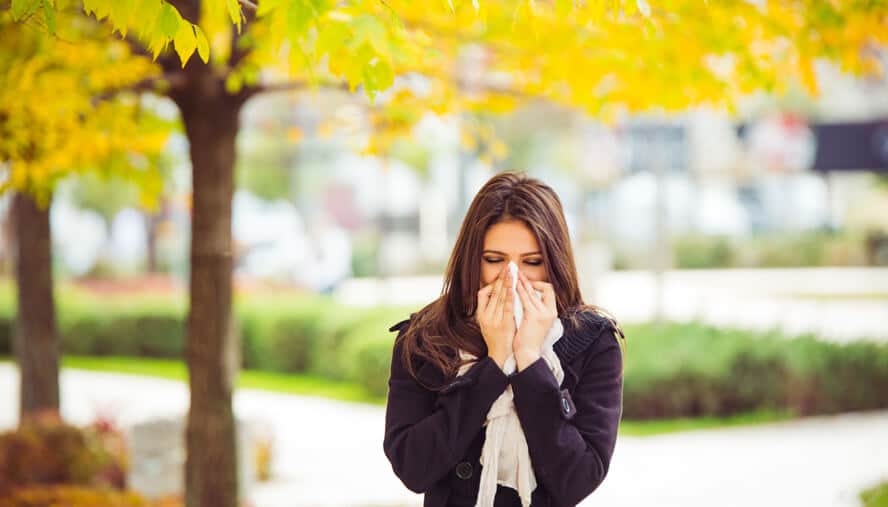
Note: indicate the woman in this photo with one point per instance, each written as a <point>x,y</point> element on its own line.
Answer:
<point>438,402</point>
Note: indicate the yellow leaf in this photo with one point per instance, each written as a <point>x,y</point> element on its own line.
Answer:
<point>203,46</point>
<point>234,12</point>
<point>809,77</point>
<point>185,41</point>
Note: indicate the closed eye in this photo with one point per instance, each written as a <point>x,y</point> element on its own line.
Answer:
<point>529,263</point>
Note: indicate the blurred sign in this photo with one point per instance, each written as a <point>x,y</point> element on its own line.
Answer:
<point>840,146</point>
<point>647,145</point>
<point>392,222</point>
<point>157,456</point>
<point>852,146</point>
<point>782,143</point>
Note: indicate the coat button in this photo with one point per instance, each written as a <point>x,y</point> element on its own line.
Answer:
<point>464,470</point>
<point>567,407</point>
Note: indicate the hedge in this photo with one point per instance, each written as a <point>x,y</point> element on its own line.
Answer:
<point>678,370</point>
<point>292,334</point>
<point>673,370</point>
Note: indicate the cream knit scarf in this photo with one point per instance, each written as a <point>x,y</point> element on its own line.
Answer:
<point>505,457</point>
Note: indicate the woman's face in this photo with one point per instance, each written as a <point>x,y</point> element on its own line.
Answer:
<point>511,241</point>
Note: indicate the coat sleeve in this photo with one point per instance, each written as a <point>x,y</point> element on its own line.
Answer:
<point>427,433</point>
<point>571,438</point>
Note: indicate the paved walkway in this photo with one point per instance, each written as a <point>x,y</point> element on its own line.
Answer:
<point>329,453</point>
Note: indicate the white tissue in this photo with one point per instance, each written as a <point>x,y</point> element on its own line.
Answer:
<point>518,308</point>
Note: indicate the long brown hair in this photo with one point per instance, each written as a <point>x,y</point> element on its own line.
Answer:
<point>441,328</point>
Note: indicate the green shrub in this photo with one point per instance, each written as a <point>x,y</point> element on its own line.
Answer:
<point>370,364</point>
<point>697,251</point>
<point>876,496</point>
<point>679,370</point>
<point>279,342</point>
<point>772,250</point>
<point>342,326</point>
<point>98,330</point>
<point>367,350</point>
<point>830,378</point>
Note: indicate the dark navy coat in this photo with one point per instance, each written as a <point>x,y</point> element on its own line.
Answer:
<point>434,440</point>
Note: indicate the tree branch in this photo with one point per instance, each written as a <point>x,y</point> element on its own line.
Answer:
<point>297,85</point>
<point>160,85</point>
<point>477,88</point>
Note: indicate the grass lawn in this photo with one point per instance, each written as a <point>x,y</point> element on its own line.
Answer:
<point>877,496</point>
<point>316,386</point>
<point>658,427</point>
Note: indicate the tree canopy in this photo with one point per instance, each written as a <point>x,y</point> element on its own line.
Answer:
<point>606,57</point>
<point>66,105</point>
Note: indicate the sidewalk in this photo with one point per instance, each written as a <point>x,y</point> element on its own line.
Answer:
<point>329,453</point>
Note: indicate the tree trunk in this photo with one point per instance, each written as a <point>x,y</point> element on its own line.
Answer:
<point>36,337</point>
<point>152,219</point>
<point>211,124</point>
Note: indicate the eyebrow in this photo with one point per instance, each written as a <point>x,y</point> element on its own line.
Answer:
<point>501,253</point>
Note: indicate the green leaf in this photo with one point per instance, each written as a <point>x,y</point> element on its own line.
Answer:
<point>22,8</point>
<point>49,14</point>
<point>169,20</point>
<point>203,46</point>
<point>378,74</point>
<point>185,42</point>
<point>299,14</point>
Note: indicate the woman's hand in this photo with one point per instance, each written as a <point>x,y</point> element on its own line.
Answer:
<point>495,317</point>
<point>539,315</point>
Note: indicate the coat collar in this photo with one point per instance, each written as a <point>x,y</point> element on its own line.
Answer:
<point>577,339</point>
